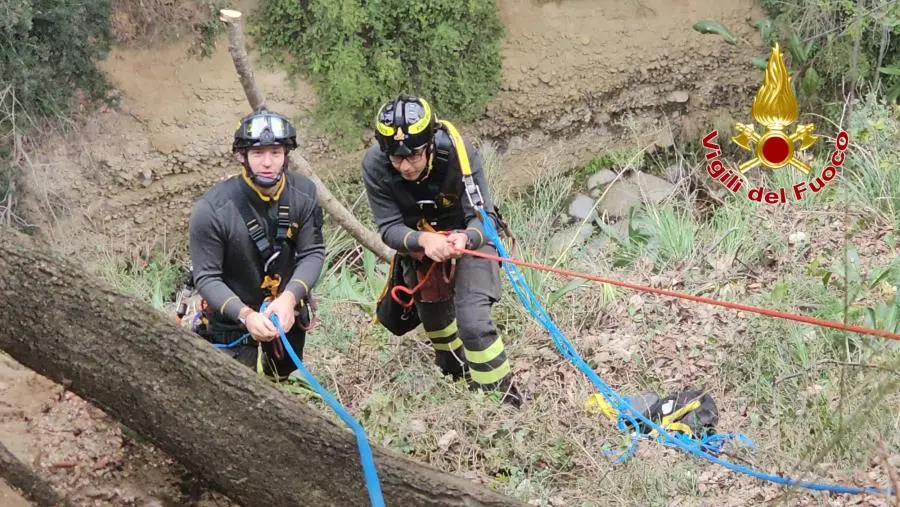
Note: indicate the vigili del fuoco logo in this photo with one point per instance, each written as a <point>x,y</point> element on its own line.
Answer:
<point>775,108</point>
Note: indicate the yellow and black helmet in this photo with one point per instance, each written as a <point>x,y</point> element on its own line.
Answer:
<point>404,125</point>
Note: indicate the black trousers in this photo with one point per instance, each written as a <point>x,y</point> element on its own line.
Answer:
<point>262,356</point>
<point>462,333</point>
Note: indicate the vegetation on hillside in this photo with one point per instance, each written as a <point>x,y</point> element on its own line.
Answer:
<point>359,54</point>
<point>836,45</point>
<point>49,51</point>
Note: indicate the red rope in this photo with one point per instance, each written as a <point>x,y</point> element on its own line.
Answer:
<point>699,299</point>
<point>411,292</point>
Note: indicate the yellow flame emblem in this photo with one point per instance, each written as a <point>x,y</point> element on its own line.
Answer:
<point>775,107</point>
<point>399,135</point>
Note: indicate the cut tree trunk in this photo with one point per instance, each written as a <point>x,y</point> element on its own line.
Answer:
<point>366,237</point>
<point>251,441</point>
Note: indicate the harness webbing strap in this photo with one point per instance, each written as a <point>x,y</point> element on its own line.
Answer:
<point>473,193</point>
<point>269,248</point>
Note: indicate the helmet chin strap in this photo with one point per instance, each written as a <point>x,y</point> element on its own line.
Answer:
<point>262,181</point>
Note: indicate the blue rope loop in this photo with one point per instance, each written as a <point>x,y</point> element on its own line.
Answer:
<point>232,344</point>
<point>365,452</point>
<point>704,448</point>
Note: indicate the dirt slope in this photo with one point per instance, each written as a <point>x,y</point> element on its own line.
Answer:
<point>580,76</point>
<point>583,75</point>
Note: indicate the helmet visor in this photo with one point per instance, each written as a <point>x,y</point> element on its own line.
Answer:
<point>258,127</point>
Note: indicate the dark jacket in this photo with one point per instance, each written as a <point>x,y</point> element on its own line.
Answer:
<point>227,265</point>
<point>393,199</point>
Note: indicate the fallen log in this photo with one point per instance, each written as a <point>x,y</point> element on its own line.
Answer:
<point>249,440</point>
<point>26,481</point>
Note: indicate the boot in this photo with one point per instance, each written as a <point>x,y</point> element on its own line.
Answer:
<point>511,394</point>
<point>508,391</point>
<point>450,365</point>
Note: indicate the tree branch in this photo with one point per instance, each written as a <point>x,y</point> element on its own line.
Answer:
<point>253,442</point>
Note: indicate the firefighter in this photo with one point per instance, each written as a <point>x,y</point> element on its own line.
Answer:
<point>257,237</point>
<point>417,197</point>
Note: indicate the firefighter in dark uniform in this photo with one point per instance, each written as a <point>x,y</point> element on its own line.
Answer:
<point>257,237</point>
<point>416,194</point>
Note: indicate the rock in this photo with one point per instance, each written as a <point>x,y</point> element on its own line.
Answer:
<point>678,96</point>
<point>656,189</point>
<point>576,235</point>
<point>620,197</point>
<point>547,79</point>
<point>582,207</point>
<point>146,177</point>
<point>665,140</point>
<point>797,237</point>
<point>585,40</point>
<point>447,440</point>
<point>600,178</point>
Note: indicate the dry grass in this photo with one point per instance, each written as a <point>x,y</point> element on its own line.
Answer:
<point>813,409</point>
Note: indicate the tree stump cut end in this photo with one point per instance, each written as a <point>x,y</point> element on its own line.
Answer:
<point>229,15</point>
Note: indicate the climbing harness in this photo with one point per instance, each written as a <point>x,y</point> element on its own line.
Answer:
<point>705,447</point>
<point>275,252</point>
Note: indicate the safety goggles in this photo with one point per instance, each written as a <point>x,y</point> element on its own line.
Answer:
<point>413,155</point>
<point>258,126</point>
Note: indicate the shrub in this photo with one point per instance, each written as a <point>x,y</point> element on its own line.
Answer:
<point>830,41</point>
<point>48,50</point>
<point>359,54</point>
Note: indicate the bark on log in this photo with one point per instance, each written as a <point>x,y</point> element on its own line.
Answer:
<point>251,441</point>
<point>23,479</point>
<point>367,238</point>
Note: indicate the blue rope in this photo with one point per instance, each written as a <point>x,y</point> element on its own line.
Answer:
<point>232,344</point>
<point>365,452</point>
<point>700,448</point>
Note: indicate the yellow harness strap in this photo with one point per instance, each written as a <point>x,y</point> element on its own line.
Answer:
<point>460,147</point>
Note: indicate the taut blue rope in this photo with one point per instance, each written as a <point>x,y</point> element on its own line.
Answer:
<point>698,448</point>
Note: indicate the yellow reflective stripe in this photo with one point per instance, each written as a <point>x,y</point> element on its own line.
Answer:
<point>406,237</point>
<point>449,347</point>
<point>420,125</point>
<point>222,308</point>
<point>487,355</point>
<point>384,129</point>
<point>461,153</point>
<point>443,333</point>
<point>490,377</point>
